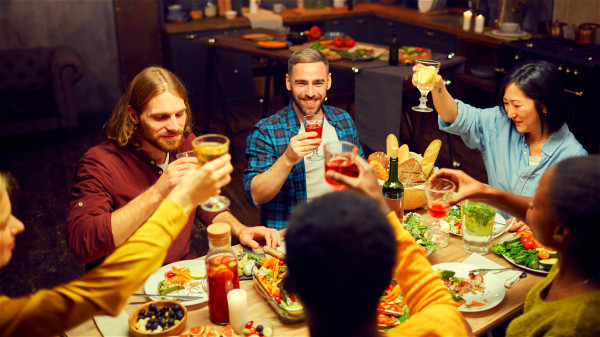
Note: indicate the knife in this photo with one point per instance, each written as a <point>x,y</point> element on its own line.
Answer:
<point>172,296</point>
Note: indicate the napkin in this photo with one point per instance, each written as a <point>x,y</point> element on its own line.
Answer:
<point>510,277</point>
<point>264,19</point>
<point>113,326</point>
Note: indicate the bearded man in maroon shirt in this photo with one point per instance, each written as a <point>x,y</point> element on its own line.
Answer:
<point>119,183</point>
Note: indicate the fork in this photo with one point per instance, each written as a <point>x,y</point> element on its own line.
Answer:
<point>485,270</point>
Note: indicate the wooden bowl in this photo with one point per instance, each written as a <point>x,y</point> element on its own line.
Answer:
<point>172,331</point>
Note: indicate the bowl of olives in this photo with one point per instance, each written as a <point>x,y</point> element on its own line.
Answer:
<point>158,318</point>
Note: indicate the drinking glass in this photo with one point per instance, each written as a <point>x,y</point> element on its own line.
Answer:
<point>426,75</point>
<point>209,147</point>
<point>190,153</point>
<point>439,192</point>
<point>477,221</point>
<point>314,123</point>
<point>339,157</point>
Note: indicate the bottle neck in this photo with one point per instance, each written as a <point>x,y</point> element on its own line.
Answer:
<point>393,169</point>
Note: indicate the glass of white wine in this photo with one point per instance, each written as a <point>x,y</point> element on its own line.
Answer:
<point>209,147</point>
<point>427,71</point>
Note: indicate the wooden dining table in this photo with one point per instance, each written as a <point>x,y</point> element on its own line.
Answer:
<point>259,309</point>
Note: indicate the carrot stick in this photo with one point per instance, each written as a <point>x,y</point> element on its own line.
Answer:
<point>477,304</point>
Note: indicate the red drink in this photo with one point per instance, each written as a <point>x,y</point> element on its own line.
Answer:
<point>438,209</point>
<point>222,274</point>
<point>343,165</point>
<point>316,127</point>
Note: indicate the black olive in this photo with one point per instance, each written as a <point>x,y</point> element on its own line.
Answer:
<point>152,307</point>
<point>176,307</point>
<point>260,333</point>
<point>154,326</point>
<point>148,326</point>
<point>162,322</point>
<point>259,328</point>
<point>143,311</point>
<point>179,314</point>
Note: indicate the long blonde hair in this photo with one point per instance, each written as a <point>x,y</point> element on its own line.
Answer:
<point>147,84</point>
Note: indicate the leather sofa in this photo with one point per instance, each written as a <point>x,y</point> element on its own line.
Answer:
<point>36,89</point>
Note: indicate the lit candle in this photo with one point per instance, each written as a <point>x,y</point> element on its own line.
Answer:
<point>479,23</point>
<point>467,20</point>
<point>238,309</point>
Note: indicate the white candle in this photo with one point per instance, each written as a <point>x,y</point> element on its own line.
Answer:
<point>238,309</point>
<point>467,20</point>
<point>479,23</point>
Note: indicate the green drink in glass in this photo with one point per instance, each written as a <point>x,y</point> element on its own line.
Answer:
<point>477,226</point>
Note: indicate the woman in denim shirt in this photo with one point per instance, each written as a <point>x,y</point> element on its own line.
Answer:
<point>523,136</point>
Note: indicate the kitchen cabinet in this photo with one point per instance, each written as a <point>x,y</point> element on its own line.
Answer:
<point>189,61</point>
<point>360,28</point>
<point>410,35</point>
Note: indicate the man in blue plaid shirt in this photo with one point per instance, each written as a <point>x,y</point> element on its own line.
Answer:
<point>278,176</point>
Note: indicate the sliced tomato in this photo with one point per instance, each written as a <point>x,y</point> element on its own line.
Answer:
<point>381,305</point>
<point>382,319</point>
<point>394,308</point>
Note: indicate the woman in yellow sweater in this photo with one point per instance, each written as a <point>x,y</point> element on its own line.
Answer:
<point>563,215</point>
<point>105,289</point>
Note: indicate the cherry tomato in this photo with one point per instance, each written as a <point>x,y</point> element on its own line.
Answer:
<point>543,254</point>
<point>350,42</point>
<point>252,330</point>
<point>249,324</point>
<point>281,263</point>
<point>529,244</point>
<point>277,299</point>
<point>338,41</point>
<point>382,319</point>
<point>170,274</point>
<point>381,305</point>
<point>394,307</point>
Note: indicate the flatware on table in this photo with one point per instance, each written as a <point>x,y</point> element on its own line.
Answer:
<point>486,270</point>
<point>170,296</point>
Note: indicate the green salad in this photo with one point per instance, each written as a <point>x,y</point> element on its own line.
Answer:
<point>413,224</point>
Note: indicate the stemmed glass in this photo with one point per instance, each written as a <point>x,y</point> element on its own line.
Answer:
<point>314,123</point>
<point>209,147</point>
<point>339,157</point>
<point>426,74</point>
<point>439,192</point>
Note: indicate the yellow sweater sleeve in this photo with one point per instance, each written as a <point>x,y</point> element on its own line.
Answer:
<point>432,311</point>
<point>104,290</point>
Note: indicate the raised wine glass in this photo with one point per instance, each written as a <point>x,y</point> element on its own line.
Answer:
<point>426,74</point>
<point>314,123</point>
<point>439,192</point>
<point>339,157</point>
<point>209,147</point>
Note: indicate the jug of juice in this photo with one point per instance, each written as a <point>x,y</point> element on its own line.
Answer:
<point>221,272</point>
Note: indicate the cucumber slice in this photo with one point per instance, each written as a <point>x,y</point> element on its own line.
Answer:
<point>548,263</point>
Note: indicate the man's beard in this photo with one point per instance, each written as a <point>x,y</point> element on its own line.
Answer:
<point>301,108</point>
<point>159,143</point>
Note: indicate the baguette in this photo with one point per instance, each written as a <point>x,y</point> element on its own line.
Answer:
<point>430,156</point>
<point>390,143</point>
<point>402,154</point>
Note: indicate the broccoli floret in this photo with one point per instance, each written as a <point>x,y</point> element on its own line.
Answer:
<point>446,274</point>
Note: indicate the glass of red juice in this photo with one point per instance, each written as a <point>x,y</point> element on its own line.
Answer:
<point>314,123</point>
<point>439,192</point>
<point>339,157</point>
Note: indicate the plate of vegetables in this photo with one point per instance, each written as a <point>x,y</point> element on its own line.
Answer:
<point>183,278</point>
<point>524,251</point>
<point>391,309</point>
<point>412,223</point>
<point>472,292</point>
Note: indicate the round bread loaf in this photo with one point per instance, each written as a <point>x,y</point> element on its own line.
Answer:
<point>381,164</point>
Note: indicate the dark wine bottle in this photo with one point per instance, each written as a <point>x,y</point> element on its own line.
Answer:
<point>350,4</point>
<point>393,61</point>
<point>393,190</point>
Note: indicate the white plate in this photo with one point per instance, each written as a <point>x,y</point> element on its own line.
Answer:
<point>493,287</point>
<point>510,236</point>
<point>520,33</point>
<point>197,268</point>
